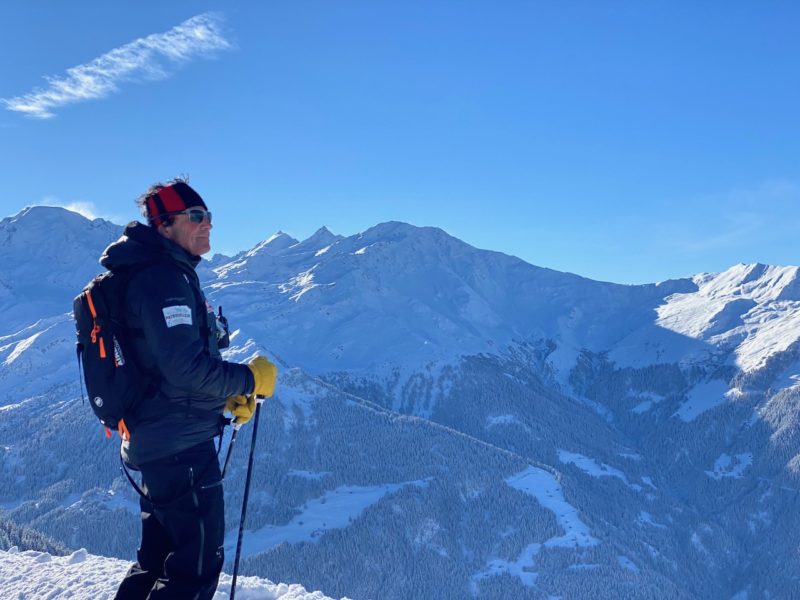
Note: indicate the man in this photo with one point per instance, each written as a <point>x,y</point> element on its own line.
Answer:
<point>169,437</point>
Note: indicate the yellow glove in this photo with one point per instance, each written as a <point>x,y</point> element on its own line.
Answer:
<point>265,373</point>
<point>241,407</point>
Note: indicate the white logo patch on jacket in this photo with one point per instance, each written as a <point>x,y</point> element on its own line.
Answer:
<point>177,315</point>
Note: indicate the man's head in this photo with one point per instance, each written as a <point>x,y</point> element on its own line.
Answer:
<point>178,213</point>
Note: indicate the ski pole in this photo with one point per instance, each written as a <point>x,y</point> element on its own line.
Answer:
<point>230,450</point>
<point>259,400</point>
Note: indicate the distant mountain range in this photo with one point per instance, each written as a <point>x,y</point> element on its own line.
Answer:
<point>449,422</point>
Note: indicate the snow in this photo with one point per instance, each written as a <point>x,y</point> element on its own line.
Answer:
<point>293,400</point>
<point>44,252</point>
<point>701,398</point>
<point>33,575</point>
<point>543,486</point>
<point>755,309</point>
<point>310,475</point>
<point>275,243</point>
<point>630,456</point>
<point>590,466</point>
<point>429,295</point>
<point>647,401</point>
<point>299,285</point>
<point>110,499</point>
<point>698,543</point>
<point>20,347</point>
<point>333,510</point>
<point>771,329</point>
<point>754,418</point>
<point>495,420</point>
<point>521,567</point>
<point>646,518</point>
<point>36,356</point>
<point>789,378</point>
<point>561,361</point>
<point>649,481</point>
<point>626,563</point>
<point>727,466</point>
<point>394,299</point>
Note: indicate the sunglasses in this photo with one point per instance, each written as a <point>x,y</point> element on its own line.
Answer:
<point>196,215</point>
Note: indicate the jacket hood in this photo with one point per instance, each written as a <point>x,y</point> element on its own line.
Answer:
<point>139,244</point>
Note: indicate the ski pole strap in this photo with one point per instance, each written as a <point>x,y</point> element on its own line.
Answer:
<point>133,483</point>
<point>79,349</point>
<point>192,485</point>
<point>230,451</point>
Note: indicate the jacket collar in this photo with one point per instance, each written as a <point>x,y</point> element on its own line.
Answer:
<point>141,243</point>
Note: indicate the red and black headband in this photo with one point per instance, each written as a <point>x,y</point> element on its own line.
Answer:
<point>171,199</point>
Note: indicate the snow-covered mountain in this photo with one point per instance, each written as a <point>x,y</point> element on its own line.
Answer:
<point>430,296</point>
<point>447,414</point>
<point>44,251</point>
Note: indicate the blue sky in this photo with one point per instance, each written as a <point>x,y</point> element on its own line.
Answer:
<point>621,140</point>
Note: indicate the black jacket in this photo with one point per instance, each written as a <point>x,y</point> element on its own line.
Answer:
<point>174,339</point>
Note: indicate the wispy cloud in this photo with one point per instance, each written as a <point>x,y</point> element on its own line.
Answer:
<point>738,218</point>
<point>147,58</point>
<point>82,207</point>
<point>86,209</point>
<point>732,230</point>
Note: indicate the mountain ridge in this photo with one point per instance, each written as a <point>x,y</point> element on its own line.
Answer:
<point>665,414</point>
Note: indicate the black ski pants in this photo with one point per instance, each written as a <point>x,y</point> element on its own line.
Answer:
<point>183,529</point>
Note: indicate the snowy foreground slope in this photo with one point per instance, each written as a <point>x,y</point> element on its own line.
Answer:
<point>448,423</point>
<point>32,575</point>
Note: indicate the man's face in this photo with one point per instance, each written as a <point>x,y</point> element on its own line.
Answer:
<point>192,237</point>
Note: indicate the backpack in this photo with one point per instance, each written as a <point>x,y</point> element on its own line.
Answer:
<point>114,382</point>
